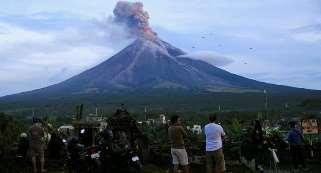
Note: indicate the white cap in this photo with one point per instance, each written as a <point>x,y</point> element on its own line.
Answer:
<point>23,135</point>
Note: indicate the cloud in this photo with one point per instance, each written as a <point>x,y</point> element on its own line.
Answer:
<point>34,57</point>
<point>305,75</point>
<point>210,57</point>
<point>310,33</point>
<point>311,37</point>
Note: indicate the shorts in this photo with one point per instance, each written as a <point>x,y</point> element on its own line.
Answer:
<point>179,157</point>
<point>215,161</point>
<point>36,150</point>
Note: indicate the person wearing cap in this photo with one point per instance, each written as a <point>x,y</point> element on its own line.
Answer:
<point>36,145</point>
<point>23,145</point>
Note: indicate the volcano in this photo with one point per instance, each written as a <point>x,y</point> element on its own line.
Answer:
<point>149,64</point>
<point>152,71</point>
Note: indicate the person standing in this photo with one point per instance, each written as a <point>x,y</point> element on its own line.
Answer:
<point>36,145</point>
<point>176,135</point>
<point>214,134</point>
<point>257,139</point>
<point>296,141</point>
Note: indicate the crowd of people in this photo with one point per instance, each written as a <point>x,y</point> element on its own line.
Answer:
<point>214,138</point>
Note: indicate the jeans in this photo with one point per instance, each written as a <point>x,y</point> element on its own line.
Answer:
<point>297,156</point>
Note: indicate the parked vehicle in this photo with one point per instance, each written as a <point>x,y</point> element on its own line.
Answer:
<point>92,160</point>
<point>76,156</point>
<point>116,155</point>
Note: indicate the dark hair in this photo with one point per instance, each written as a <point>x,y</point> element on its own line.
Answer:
<point>257,125</point>
<point>174,119</point>
<point>35,120</point>
<point>292,124</point>
<point>212,118</point>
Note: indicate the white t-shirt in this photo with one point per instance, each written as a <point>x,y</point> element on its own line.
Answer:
<point>213,133</point>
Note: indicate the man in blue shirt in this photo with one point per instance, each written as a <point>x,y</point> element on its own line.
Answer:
<point>296,141</point>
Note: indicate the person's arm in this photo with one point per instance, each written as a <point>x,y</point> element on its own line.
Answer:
<point>300,133</point>
<point>169,136</point>
<point>289,138</point>
<point>183,132</point>
<point>41,131</point>
<point>222,133</point>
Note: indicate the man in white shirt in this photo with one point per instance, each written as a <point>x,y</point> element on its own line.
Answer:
<point>214,153</point>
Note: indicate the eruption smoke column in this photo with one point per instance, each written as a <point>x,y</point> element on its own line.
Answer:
<point>135,18</point>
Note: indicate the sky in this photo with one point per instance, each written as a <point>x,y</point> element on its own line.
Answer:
<point>43,42</point>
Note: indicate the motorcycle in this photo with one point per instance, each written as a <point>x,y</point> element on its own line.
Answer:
<point>134,164</point>
<point>76,156</point>
<point>83,159</point>
<point>93,159</point>
<point>116,157</point>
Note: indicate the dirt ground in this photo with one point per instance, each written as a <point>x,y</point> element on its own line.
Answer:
<point>150,168</point>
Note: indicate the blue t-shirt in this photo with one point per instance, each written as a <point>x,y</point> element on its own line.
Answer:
<point>295,137</point>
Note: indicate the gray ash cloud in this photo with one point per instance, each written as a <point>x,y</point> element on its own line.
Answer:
<point>135,18</point>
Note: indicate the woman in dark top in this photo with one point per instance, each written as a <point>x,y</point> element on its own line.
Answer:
<point>257,140</point>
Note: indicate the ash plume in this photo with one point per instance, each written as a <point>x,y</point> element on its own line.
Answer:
<point>134,17</point>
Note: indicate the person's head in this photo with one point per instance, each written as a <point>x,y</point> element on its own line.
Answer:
<point>35,120</point>
<point>23,135</point>
<point>293,124</point>
<point>175,120</point>
<point>257,125</point>
<point>212,118</point>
